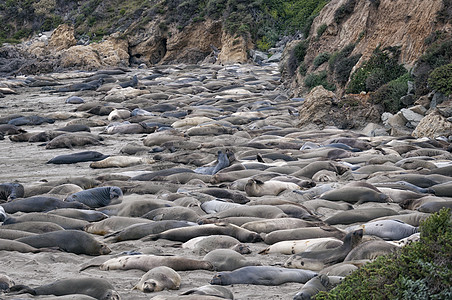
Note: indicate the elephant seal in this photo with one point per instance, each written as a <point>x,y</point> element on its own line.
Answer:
<point>11,190</point>
<point>73,241</point>
<point>172,213</point>
<point>129,128</point>
<point>118,114</point>
<point>30,120</point>
<point>80,214</point>
<point>355,195</point>
<point>435,206</point>
<point>293,247</point>
<point>71,140</point>
<point>386,229</point>
<point>97,288</point>
<point>370,250</point>
<point>257,188</point>
<point>262,275</point>
<point>316,166</point>
<point>215,206</point>
<point>221,163</point>
<point>65,189</point>
<point>146,262</point>
<point>12,234</point>
<point>360,215</point>
<point>313,287</point>
<point>211,290</point>
<point>228,260</point>
<point>78,157</point>
<point>159,279</point>
<point>74,100</point>
<point>97,197</point>
<point>38,204</point>
<point>204,244</point>
<point>303,234</point>
<point>317,260</point>
<point>186,233</point>
<point>113,224</point>
<point>12,245</point>
<point>5,283</point>
<point>120,161</point>
<point>83,86</point>
<point>137,231</point>
<point>65,222</point>
<point>259,211</point>
<point>33,227</point>
<point>269,225</point>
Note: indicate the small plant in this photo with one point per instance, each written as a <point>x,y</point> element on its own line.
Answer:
<point>322,28</point>
<point>381,68</point>
<point>389,94</point>
<point>440,79</point>
<point>300,50</point>
<point>315,79</point>
<point>344,11</point>
<point>321,59</point>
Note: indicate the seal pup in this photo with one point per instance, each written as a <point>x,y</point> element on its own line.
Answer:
<point>95,287</point>
<point>159,279</point>
<point>97,197</point>
<point>77,157</point>
<point>257,188</point>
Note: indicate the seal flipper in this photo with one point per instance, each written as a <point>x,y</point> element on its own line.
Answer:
<point>21,289</point>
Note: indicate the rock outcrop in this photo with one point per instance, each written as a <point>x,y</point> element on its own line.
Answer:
<point>322,108</point>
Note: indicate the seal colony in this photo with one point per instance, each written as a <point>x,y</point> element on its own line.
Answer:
<point>172,178</point>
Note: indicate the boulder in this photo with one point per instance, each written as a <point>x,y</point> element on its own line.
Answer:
<point>234,49</point>
<point>62,38</point>
<point>433,125</point>
<point>412,117</point>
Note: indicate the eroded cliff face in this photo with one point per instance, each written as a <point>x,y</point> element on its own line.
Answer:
<point>404,23</point>
<point>371,24</point>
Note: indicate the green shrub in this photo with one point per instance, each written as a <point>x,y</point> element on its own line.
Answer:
<point>320,59</point>
<point>440,79</point>
<point>315,79</point>
<point>343,68</point>
<point>302,69</point>
<point>389,94</point>
<point>344,11</point>
<point>421,270</point>
<point>321,29</point>
<point>381,68</point>
<point>299,50</point>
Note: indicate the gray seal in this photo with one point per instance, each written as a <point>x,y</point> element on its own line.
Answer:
<point>11,190</point>
<point>159,279</point>
<point>73,241</point>
<point>97,197</point>
<point>313,287</point>
<point>262,275</point>
<point>386,229</point>
<point>228,260</point>
<point>211,290</point>
<point>317,260</point>
<point>38,204</point>
<point>222,162</point>
<point>77,157</point>
<point>97,288</point>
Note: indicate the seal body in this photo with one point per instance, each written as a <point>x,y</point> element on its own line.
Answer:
<point>159,279</point>
<point>96,197</point>
<point>11,191</point>
<point>262,275</point>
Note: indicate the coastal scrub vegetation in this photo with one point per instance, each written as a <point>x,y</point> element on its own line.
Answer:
<point>264,21</point>
<point>420,270</point>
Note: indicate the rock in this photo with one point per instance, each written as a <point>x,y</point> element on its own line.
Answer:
<point>412,118</point>
<point>62,38</point>
<point>445,108</point>
<point>234,49</point>
<point>407,100</point>
<point>437,99</point>
<point>275,57</point>
<point>258,56</point>
<point>385,117</point>
<point>423,101</point>
<point>433,125</point>
<point>373,129</point>
<point>322,108</point>
<point>419,109</point>
<point>397,120</point>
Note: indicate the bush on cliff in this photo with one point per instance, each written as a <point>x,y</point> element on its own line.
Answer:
<point>390,93</point>
<point>421,270</point>
<point>381,68</point>
<point>440,79</point>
